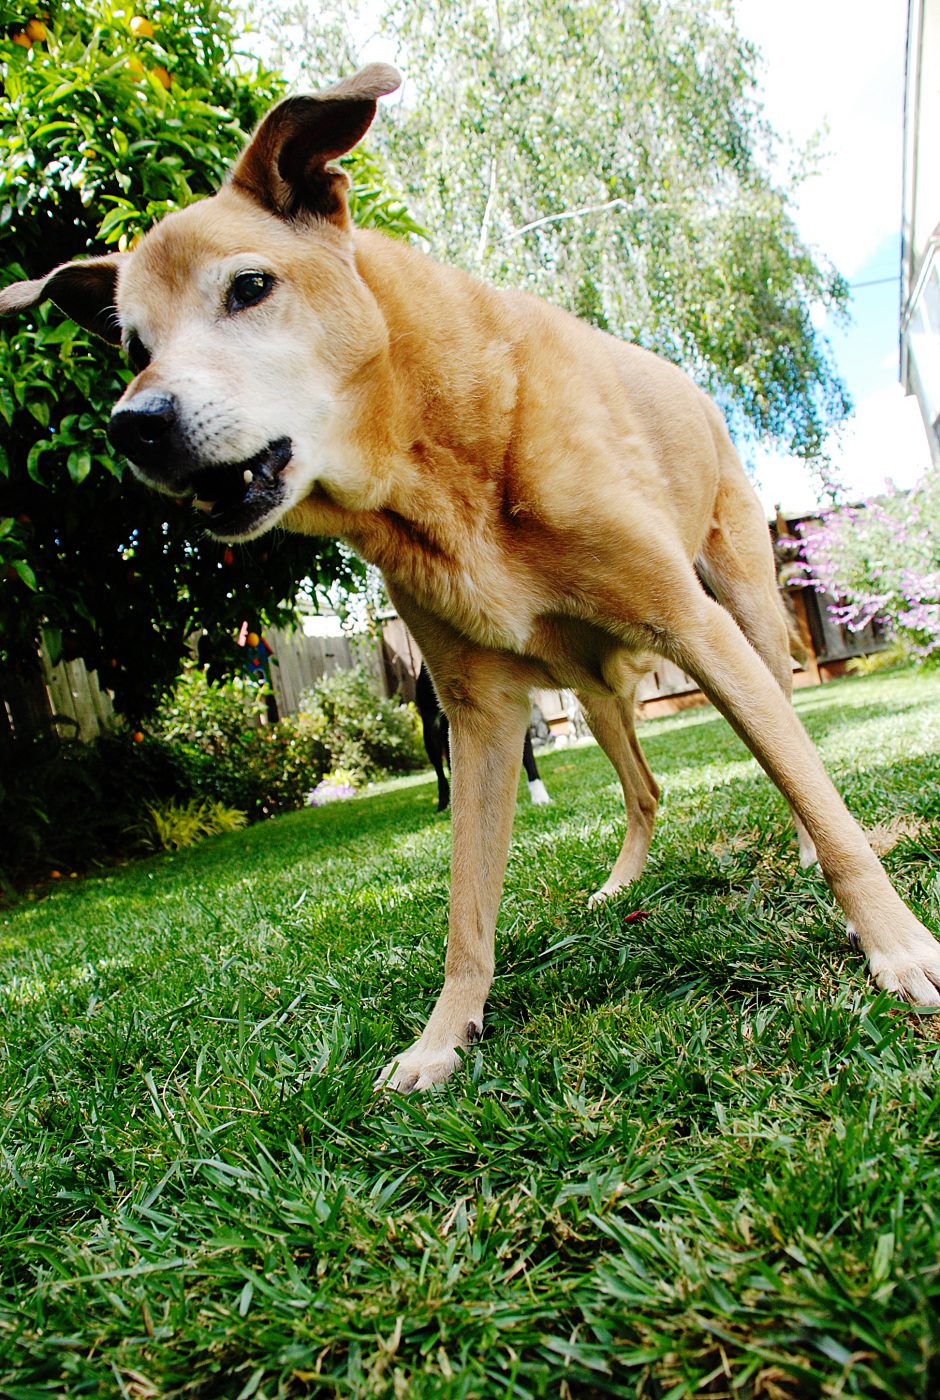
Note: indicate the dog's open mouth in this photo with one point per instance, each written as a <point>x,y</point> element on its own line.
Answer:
<point>238,495</point>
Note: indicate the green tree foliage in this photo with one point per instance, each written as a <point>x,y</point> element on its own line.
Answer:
<point>109,122</point>
<point>612,156</point>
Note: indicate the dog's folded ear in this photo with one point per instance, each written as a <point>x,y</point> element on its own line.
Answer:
<point>84,290</point>
<point>284,166</point>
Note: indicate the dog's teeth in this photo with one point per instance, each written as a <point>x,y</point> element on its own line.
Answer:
<point>249,477</point>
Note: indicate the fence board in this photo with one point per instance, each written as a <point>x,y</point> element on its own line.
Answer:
<point>299,661</point>
<point>80,708</point>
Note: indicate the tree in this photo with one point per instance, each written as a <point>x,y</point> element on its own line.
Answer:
<point>611,155</point>
<point>109,121</point>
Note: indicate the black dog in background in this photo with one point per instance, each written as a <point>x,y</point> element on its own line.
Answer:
<point>434,723</point>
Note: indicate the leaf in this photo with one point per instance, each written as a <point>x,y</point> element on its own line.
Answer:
<point>21,567</point>
<point>32,460</point>
<point>79,465</point>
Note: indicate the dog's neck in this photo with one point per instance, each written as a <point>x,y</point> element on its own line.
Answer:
<point>436,430</point>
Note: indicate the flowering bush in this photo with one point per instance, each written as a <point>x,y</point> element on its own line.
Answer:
<point>333,788</point>
<point>882,560</point>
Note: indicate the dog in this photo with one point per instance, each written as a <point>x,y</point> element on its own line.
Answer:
<point>435,728</point>
<point>545,503</point>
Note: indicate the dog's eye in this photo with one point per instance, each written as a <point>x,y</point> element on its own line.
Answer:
<point>247,289</point>
<point>138,354</point>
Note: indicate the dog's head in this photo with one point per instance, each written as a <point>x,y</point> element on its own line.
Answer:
<point>246,323</point>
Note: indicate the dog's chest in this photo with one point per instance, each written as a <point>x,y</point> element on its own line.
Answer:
<point>467,581</point>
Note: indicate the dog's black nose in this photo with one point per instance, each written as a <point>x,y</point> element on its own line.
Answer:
<point>144,433</point>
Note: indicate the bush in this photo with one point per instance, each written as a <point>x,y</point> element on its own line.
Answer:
<point>175,825</point>
<point>234,756</point>
<point>366,734</point>
<point>882,560</point>
<point>68,805</point>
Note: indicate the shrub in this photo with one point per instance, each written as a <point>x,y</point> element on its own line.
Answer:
<point>286,760</point>
<point>236,758</point>
<point>882,560</point>
<point>207,752</point>
<point>175,825</point>
<point>68,805</point>
<point>212,717</point>
<point>366,734</point>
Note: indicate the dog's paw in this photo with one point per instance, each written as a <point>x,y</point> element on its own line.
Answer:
<point>539,793</point>
<point>808,856</point>
<point>417,1069</point>
<point>607,891</point>
<point>911,969</point>
<point>422,1065</point>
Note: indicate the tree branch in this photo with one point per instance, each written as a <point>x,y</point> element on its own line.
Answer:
<point>568,214</point>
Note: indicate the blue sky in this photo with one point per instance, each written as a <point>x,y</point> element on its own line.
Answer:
<point>874,326</point>
<point>837,67</point>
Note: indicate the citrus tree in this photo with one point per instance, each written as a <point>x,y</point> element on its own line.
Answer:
<point>109,118</point>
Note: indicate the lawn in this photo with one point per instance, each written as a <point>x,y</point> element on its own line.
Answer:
<point>693,1154</point>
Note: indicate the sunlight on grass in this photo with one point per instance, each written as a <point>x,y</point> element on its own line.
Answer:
<point>694,1153</point>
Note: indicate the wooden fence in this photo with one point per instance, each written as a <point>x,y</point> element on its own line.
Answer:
<point>299,661</point>
<point>37,697</point>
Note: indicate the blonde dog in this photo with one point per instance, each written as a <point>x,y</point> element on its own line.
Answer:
<point>542,500</point>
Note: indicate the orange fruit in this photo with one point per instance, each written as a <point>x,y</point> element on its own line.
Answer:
<point>37,31</point>
<point>23,39</point>
<point>139,736</point>
<point>162,76</point>
<point>135,65</point>
<point>56,874</point>
<point>141,28</point>
<point>252,639</point>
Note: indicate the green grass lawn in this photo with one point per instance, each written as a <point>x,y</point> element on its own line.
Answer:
<point>693,1154</point>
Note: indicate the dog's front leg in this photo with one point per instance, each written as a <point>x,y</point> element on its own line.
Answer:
<point>488,710</point>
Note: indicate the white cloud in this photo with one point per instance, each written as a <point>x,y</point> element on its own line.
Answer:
<point>837,66</point>
<point>883,440</point>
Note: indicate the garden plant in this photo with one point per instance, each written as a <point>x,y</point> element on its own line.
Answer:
<point>880,560</point>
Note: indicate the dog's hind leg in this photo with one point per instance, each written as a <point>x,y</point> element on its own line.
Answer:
<point>436,746</point>
<point>612,723</point>
<point>736,563</point>
<point>705,641</point>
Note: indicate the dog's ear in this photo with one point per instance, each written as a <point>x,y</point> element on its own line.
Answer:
<point>284,167</point>
<point>84,290</point>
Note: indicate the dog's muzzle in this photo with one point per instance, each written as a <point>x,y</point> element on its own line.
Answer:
<point>236,497</point>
